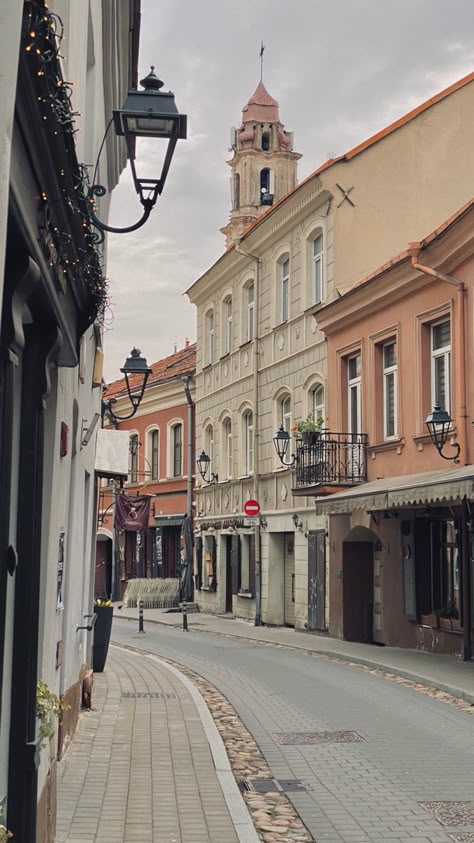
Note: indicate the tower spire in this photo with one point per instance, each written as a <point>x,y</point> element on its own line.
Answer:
<point>262,50</point>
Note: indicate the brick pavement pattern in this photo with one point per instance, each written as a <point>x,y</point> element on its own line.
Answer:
<point>140,769</point>
<point>415,748</point>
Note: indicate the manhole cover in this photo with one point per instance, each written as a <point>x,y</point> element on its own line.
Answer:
<point>451,813</point>
<point>462,837</point>
<point>271,785</point>
<point>295,738</point>
<point>139,695</point>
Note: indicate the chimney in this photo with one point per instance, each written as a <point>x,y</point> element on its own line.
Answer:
<point>186,343</point>
<point>175,348</point>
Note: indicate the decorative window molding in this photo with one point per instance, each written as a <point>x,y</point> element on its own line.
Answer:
<point>152,451</point>
<point>174,448</point>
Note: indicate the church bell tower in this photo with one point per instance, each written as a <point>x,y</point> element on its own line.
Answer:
<point>263,164</point>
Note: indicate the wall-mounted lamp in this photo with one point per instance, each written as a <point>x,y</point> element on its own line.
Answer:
<point>134,365</point>
<point>439,424</point>
<point>150,113</point>
<point>204,465</point>
<point>281,441</point>
<point>88,430</point>
<point>297,522</point>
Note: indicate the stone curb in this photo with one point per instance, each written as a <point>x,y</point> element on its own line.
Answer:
<point>429,682</point>
<point>237,808</point>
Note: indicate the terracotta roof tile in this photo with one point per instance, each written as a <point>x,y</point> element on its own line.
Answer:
<point>169,368</point>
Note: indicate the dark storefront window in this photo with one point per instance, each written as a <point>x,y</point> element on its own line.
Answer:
<point>438,568</point>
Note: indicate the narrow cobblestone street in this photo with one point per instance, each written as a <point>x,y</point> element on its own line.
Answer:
<point>406,750</point>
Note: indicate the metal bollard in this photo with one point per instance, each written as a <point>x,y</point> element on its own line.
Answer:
<point>185,617</point>
<point>140,616</point>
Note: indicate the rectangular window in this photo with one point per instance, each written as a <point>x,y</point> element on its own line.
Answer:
<point>228,445</point>
<point>246,564</point>
<point>134,458</point>
<point>438,566</point>
<point>177,450</point>
<point>210,338</point>
<point>250,303</point>
<point>441,364</point>
<point>389,352</point>
<point>354,403</point>
<point>318,269</point>
<point>285,286</point>
<point>249,443</point>
<point>154,454</point>
<point>228,328</point>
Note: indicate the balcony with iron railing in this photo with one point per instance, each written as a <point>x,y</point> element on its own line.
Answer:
<point>330,459</point>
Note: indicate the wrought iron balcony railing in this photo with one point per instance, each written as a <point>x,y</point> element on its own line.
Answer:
<point>332,459</point>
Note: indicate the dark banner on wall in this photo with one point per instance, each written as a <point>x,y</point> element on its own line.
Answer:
<point>132,514</point>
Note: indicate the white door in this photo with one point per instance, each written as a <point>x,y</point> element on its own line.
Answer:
<point>289,565</point>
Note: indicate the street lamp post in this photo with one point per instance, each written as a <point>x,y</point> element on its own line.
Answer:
<point>137,372</point>
<point>439,424</point>
<point>204,465</point>
<point>281,441</point>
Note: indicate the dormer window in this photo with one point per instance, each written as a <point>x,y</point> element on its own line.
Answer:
<point>266,141</point>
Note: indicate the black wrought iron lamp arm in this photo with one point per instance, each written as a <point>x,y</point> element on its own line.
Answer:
<point>454,458</point>
<point>148,203</point>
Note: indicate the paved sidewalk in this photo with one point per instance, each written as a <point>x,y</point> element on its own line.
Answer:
<point>142,765</point>
<point>443,672</point>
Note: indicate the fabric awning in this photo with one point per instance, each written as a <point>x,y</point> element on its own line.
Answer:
<point>170,520</point>
<point>431,487</point>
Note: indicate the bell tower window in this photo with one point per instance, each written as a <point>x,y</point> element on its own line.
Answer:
<point>266,196</point>
<point>266,141</point>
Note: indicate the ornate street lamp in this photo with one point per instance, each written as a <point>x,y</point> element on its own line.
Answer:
<point>439,424</point>
<point>204,465</point>
<point>281,441</point>
<point>150,113</point>
<point>134,365</point>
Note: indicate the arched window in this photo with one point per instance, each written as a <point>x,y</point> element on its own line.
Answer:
<point>250,311</point>
<point>265,141</point>
<point>285,412</point>
<point>317,268</point>
<point>236,192</point>
<point>285,287</point>
<point>209,447</point>
<point>227,323</point>
<point>133,448</point>
<point>266,194</point>
<point>209,337</point>
<point>317,401</point>
<point>227,446</point>
<point>248,442</point>
<point>176,450</point>
<point>154,452</point>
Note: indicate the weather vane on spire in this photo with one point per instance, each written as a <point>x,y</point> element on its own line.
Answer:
<point>262,50</point>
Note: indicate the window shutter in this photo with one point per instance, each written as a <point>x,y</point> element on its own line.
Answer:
<point>235,562</point>
<point>252,564</point>
<point>213,551</point>
<point>198,575</point>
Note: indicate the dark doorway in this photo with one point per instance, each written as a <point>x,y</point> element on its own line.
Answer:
<point>317,579</point>
<point>358,590</point>
<point>228,574</point>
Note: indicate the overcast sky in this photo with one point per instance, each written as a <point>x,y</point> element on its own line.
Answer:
<point>340,72</point>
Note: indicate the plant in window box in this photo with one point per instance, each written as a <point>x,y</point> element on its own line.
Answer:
<point>309,429</point>
<point>448,618</point>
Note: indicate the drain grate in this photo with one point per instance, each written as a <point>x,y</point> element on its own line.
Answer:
<point>296,738</point>
<point>271,785</point>
<point>462,837</point>
<point>451,813</point>
<point>139,695</point>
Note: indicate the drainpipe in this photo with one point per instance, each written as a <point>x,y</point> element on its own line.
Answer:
<point>258,564</point>
<point>414,250</point>
<point>189,493</point>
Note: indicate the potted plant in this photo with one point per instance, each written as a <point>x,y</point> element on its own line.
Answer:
<point>448,618</point>
<point>102,629</point>
<point>49,707</point>
<point>309,428</point>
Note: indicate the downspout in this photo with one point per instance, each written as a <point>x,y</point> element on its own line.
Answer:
<point>189,493</point>
<point>258,567</point>
<point>414,250</point>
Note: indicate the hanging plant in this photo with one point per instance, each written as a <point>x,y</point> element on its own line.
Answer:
<point>49,707</point>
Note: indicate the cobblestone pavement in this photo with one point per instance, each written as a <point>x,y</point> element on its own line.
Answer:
<point>140,766</point>
<point>413,749</point>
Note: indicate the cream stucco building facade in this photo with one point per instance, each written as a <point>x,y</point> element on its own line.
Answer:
<point>261,360</point>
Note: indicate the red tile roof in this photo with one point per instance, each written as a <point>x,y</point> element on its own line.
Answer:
<point>167,369</point>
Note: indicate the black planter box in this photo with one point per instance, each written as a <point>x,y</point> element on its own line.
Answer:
<point>102,630</point>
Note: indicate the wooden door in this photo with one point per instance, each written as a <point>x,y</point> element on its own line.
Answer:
<point>378,602</point>
<point>289,567</point>
<point>317,580</point>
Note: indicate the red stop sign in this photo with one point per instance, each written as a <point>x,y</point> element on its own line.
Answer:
<point>251,507</point>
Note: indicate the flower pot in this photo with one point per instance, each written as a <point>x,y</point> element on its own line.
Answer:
<point>309,437</point>
<point>102,630</point>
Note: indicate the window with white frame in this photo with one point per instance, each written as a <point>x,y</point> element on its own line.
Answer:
<point>317,402</point>
<point>354,396</point>
<point>154,453</point>
<point>317,268</point>
<point>441,364</point>
<point>250,311</point>
<point>176,450</point>
<point>227,437</point>
<point>133,448</point>
<point>227,323</point>
<point>389,352</point>
<point>285,289</point>
<point>285,413</point>
<point>248,442</point>
<point>209,337</point>
<point>209,448</point>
